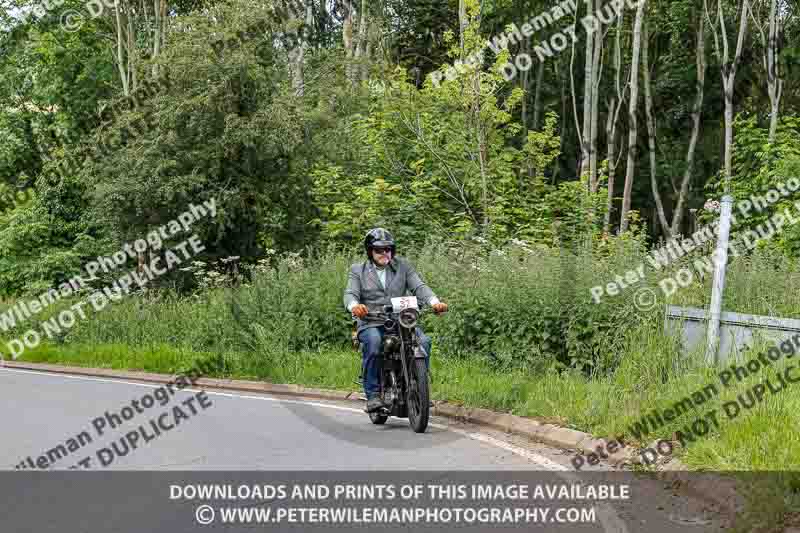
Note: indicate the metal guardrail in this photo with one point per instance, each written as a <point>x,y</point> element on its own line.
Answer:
<point>738,331</point>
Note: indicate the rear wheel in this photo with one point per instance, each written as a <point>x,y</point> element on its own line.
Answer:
<point>417,398</point>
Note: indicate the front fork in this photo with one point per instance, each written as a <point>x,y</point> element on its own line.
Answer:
<point>394,393</point>
<point>418,353</point>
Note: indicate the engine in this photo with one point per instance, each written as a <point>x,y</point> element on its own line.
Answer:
<point>391,344</point>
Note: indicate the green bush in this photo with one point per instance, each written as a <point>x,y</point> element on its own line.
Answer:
<point>521,307</point>
<point>518,307</point>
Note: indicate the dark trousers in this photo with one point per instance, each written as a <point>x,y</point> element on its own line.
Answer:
<point>372,360</point>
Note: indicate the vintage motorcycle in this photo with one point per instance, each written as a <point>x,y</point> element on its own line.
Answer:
<point>404,376</point>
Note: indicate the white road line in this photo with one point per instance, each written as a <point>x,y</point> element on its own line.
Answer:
<point>607,515</point>
<point>540,460</point>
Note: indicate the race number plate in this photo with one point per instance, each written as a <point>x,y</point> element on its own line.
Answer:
<point>405,302</point>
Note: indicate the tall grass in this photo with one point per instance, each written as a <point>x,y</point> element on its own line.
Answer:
<point>523,335</point>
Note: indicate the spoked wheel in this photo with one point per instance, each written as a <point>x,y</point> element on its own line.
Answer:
<point>417,399</point>
<point>378,418</point>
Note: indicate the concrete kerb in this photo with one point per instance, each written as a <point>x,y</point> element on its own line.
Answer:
<point>710,488</point>
<point>210,383</point>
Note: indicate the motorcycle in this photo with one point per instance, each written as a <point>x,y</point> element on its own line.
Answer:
<point>405,390</point>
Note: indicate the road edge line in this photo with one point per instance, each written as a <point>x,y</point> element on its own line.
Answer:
<point>707,489</point>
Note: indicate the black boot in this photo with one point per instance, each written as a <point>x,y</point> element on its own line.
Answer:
<point>374,404</point>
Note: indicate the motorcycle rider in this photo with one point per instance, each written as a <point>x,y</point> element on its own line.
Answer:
<point>371,285</point>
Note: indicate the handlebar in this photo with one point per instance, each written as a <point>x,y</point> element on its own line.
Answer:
<point>392,315</point>
<point>389,314</point>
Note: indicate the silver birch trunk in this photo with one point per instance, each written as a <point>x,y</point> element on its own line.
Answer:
<point>697,113</point>
<point>347,28</point>
<point>157,28</point>
<point>595,111</point>
<point>537,98</point>
<point>614,107</point>
<point>587,95</point>
<point>633,127</point>
<point>775,83</point>
<point>122,63</point>
<point>479,125</point>
<point>651,132</point>
<point>573,96</point>
<point>728,72</point>
<point>297,54</point>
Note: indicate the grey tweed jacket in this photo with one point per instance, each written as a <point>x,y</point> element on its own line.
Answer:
<point>364,287</point>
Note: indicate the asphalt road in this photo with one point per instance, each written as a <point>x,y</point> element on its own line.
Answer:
<point>222,432</point>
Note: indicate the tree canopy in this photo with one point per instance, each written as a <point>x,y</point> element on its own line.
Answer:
<point>310,121</point>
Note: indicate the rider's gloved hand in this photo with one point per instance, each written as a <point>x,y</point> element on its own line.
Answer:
<point>439,308</point>
<point>360,310</point>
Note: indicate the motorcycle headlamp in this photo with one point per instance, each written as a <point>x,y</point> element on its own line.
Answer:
<point>408,318</point>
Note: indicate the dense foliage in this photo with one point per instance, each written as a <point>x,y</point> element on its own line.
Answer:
<point>309,122</point>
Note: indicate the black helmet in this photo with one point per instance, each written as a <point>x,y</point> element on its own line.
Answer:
<point>378,237</point>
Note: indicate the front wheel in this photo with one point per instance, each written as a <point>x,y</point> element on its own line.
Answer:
<point>418,403</point>
<point>378,419</point>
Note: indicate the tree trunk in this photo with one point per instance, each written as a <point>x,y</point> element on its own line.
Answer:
<point>159,28</point>
<point>614,108</point>
<point>595,110</point>
<point>697,113</point>
<point>474,128</point>
<point>131,53</point>
<point>363,22</point>
<point>524,80</point>
<point>651,132</point>
<point>573,95</point>
<point>297,54</point>
<point>122,63</point>
<point>462,28</point>
<point>612,164</point>
<point>347,28</point>
<point>462,25</point>
<point>524,83</point>
<point>564,113</point>
<point>367,57</point>
<point>537,98</point>
<point>359,43</point>
<point>587,94</point>
<point>728,70</point>
<point>482,156</point>
<point>774,82</point>
<point>347,37</point>
<point>633,131</point>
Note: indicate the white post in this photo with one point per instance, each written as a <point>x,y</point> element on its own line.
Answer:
<point>720,264</point>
